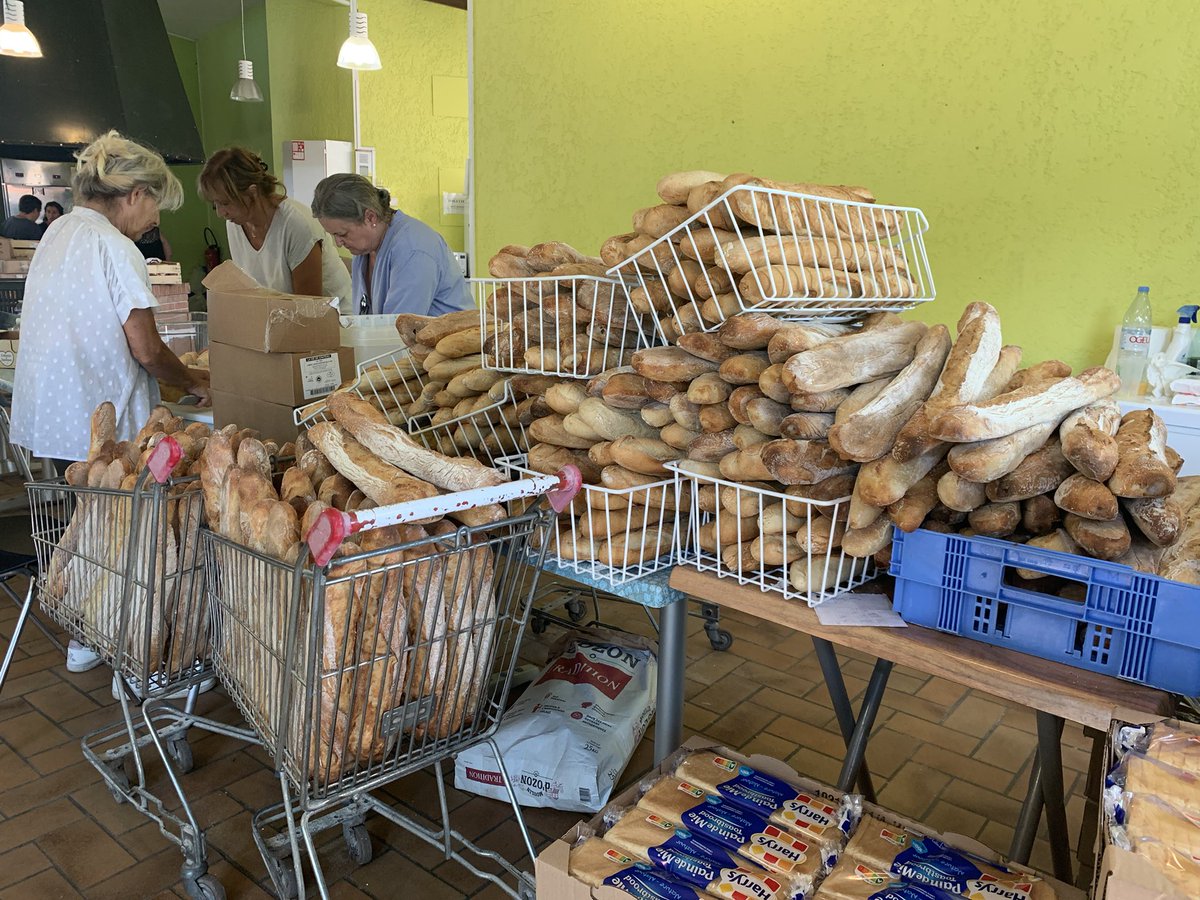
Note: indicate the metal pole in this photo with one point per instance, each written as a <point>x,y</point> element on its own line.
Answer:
<point>668,719</point>
<point>1050,729</point>
<point>856,750</point>
<point>840,699</point>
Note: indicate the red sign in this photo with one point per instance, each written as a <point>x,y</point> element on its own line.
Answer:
<point>297,149</point>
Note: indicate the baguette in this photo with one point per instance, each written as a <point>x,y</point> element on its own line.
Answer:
<point>1088,438</point>
<point>806,426</point>
<point>1041,472</point>
<point>744,255</point>
<point>644,455</point>
<point>986,461</point>
<point>579,428</point>
<point>1057,540</point>
<point>960,494</point>
<point>670,364</point>
<point>551,430</point>
<point>1142,470</point>
<point>868,540</point>
<point>444,326</point>
<point>383,483</point>
<point>870,432</point>
<point>910,511</point>
<point>634,547</point>
<point>860,513</point>
<point>674,188</point>
<point>1040,515</point>
<point>859,397</point>
<point>1103,540</point>
<point>802,462</point>
<point>1047,370</point>
<point>611,423</point>
<point>744,368</point>
<point>709,388</point>
<point>710,447</point>
<point>706,346</point>
<point>703,242</point>
<point>104,428</point>
<point>883,481</point>
<point>1032,404</point>
<point>677,436</point>
<point>658,220</point>
<point>1087,499</point>
<point>853,358</point>
<point>460,343</point>
<point>792,339</point>
<point>995,519</point>
<point>774,549</point>
<point>749,331</point>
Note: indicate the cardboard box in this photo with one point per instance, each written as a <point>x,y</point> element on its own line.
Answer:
<point>14,267</point>
<point>275,421</point>
<point>243,313</point>
<point>551,865</point>
<point>8,349</point>
<point>289,379</point>
<point>11,249</point>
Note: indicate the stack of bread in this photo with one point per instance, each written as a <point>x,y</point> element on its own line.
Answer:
<point>192,360</point>
<point>760,244</point>
<point>555,311</point>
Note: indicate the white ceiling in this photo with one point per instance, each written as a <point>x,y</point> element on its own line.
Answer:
<point>195,18</point>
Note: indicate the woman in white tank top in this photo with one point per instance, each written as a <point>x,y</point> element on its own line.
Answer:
<point>272,238</point>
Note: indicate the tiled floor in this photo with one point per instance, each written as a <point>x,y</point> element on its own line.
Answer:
<point>958,760</point>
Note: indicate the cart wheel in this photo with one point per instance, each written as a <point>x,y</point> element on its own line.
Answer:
<point>283,876</point>
<point>719,638</point>
<point>358,843</point>
<point>576,609</point>
<point>526,890</point>
<point>538,624</point>
<point>206,887</point>
<point>180,752</point>
<point>116,770</point>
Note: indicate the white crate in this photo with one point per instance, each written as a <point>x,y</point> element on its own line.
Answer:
<point>797,256</point>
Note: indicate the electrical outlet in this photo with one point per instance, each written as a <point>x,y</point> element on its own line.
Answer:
<point>454,204</point>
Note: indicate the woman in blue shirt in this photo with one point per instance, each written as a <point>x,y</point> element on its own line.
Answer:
<point>401,265</point>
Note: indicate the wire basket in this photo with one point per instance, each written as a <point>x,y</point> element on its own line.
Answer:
<point>797,256</point>
<point>773,540</point>
<point>120,571</point>
<point>573,326</point>
<point>388,659</point>
<point>613,535</point>
<point>398,387</point>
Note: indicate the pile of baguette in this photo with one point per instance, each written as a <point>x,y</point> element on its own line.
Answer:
<point>556,311</point>
<point>192,360</point>
<point>753,247</point>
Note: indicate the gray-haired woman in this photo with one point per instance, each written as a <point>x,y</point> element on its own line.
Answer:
<point>401,265</point>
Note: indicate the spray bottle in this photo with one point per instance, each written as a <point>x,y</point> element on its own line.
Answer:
<point>1181,341</point>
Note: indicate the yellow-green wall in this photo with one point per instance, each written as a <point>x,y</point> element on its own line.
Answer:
<point>1052,145</point>
<point>415,146</point>
<point>184,228</point>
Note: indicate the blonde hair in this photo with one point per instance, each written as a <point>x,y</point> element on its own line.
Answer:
<point>113,166</point>
<point>230,173</point>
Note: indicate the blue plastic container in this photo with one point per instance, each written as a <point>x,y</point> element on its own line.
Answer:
<point>1131,625</point>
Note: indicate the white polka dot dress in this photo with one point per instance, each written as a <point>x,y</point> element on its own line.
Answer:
<point>84,281</point>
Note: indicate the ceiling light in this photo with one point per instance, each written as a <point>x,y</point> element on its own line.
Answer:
<point>357,50</point>
<point>245,89</point>
<point>15,38</point>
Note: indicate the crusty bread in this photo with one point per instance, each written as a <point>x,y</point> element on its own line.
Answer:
<point>995,519</point>
<point>868,540</point>
<point>960,494</point>
<point>749,331</point>
<point>612,423</point>
<point>711,447</point>
<point>1088,499</point>
<point>789,340</point>
<point>670,364</point>
<point>985,461</point>
<point>709,388</point>
<point>802,462</point>
<point>676,187</point>
<point>853,358</point>
<point>1142,470</point>
<point>805,426</point>
<point>1160,519</point>
<point>382,482</point>
<point>706,346</point>
<point>641,454</point>
<point>1057,540</point>
<point>1040,515</point>
<point>1088,438</point>
<point>1103,540</point>
<point>1041,472</point>
<point>910,511</point>
<point>1047,370</point>
<point>883,481</point>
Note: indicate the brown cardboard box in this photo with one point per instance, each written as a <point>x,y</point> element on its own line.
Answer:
<point>11,249</point>
<point>8,349</point>
<point>243,313</point>
<point>275,421</point>
<point>289,379</point>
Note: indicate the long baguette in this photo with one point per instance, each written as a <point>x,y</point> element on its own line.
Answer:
<point>853,358</point>
<point>1028,405</point>
<point>381,481</point>
<point>1088,438</point>
<point>1142,470</point>
<point>985,461</point>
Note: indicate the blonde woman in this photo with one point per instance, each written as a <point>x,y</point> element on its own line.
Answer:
<point>87,324</point>
<point>272,237</point>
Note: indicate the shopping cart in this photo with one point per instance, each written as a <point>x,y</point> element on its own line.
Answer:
<point>357,669</point>
<point>122,573</point>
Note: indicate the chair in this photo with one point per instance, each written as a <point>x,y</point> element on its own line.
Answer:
<point>14,565</point>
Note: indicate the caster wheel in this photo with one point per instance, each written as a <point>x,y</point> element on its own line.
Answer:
<point>206,887</point>
<point>358,843</point>
<point>720,639</point>
<point>538,624</point>
<point>117,781</point>
<point>576,610</point>
<point>283,877</point>
<point>180,752</point>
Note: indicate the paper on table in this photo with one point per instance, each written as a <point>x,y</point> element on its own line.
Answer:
<point>860,609</point>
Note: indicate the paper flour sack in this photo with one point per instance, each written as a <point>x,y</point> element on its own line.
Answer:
<point>568,738</point>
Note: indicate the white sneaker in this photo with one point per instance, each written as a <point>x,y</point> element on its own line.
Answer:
<point>81,658</point>
<point>136,689</point>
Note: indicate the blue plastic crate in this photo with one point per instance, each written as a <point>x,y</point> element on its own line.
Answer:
<point>1131,625</point>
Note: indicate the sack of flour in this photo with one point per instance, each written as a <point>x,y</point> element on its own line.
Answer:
<point>568,738</point>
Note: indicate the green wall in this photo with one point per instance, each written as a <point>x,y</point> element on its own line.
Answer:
<point>227,122</point>
<point>184,228</point>
<point>1051,145</point>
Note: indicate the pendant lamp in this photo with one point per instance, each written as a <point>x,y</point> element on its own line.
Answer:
<point>245,89</point>
<point>15,38</point>
<point>357,50</point>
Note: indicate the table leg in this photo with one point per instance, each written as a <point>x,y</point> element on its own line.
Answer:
<point>1085,851</point>
<point>1050,729</point>
<point>856,749</point>
<point>1031,814</point>
<point>840,699</point>
<point>668,717</point>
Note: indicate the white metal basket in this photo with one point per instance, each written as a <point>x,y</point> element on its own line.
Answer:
<point>798,256</point>
<point>575,326</point>
<point>641,520</point>
<point>398,389</point>
<point>724,531</point>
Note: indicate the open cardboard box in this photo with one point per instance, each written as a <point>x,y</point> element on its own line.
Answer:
<point>552,865</point>
<point>243,313</point>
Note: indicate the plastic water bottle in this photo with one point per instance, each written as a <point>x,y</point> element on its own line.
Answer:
<point>1134,350</point>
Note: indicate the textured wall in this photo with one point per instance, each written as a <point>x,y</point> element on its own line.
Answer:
<point>224,121</point>
<point>184,228</point>
<point>417,41</point>
<point>1051,145</point>
<point>310,97</point>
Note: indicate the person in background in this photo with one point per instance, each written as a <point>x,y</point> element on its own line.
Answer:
<point>50,212</point>
<point>400,264</point>
<point>273,238</point>
<point>154,245</point>
<point>87,330</point>
<point>24,225</point>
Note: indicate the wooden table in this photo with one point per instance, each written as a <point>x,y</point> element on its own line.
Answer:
<point>1055,691</point>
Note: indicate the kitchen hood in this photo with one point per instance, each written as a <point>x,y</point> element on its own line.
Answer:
<point>105,64</point>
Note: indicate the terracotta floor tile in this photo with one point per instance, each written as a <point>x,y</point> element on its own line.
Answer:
<point>391,869</point>
<point>1007,747</point>
<point>31,825</point>
<point>808,711</point>
<point>988,804</point>
<point>725,694</point>
<point>938,690</point>
<point>47,885</point>
<point>913,790</point>
<point>21,863</point>
<point>966,769</point>
<point>975,716</point>
<point>888,750</point>
<point>61,701</point>
<point>952,819</point>
<point>31,733</point>
<point>917,706</point>
<point>713,667</point>
<point>84,853</point>
<point>98,802</point>
<point>33,793</point>
<point>816,766</point>
<point>930,733</point>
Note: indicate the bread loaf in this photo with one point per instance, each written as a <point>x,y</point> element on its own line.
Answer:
<point>1088,438</point>
<point>1160,519</point>
<point>706,346</point>
<point>745,465</point>
<point>868,540</point>
<point>820,574</point>
<point>749,331</point>
<point>819,534</point>
<point>870,432</point>
<point>709,388</point>
<point>860,513</point>
<point>806,426</point>
<point>551,430</point>
<point>995,519</point>
<point>725,530</point>
<point>711,447</point>
<point>1040,515</point>
<point>1057,540</point>
<point>382,482</point>
<point>677,436</point>
<point>984,461</point>
<point>716,417</point>
<point>564,398</point>
<point>802,462</point>
<point>1088,499</point>
<point>853,358</point>
<point>1047,370</point>
<point>739,401</point>
<point>884,481</point>
<point>910,511</point>
<point>611,423</point>
<point>685,412</point>
<point>745,436</point>
<point>820,401</point>
<point>670,364</point>
<point>579,428</point>
<point>676,187</point>
<point>1142,468</point>
<point>959,494</point>
<point>549,459</point>
<point>789,340</point>
<point>641,454</point>
<point>770,382</point>
<point>657,415</point>
<point>1039,473</point>
<point>1103,540</point>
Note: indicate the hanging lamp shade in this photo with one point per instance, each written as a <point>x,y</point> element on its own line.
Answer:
<point>246,89</point>
<point>15,38</point>
<point>357,50</point>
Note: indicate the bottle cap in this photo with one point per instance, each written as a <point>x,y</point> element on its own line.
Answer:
<point>1187,313</point>
<point>1143,288</point>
